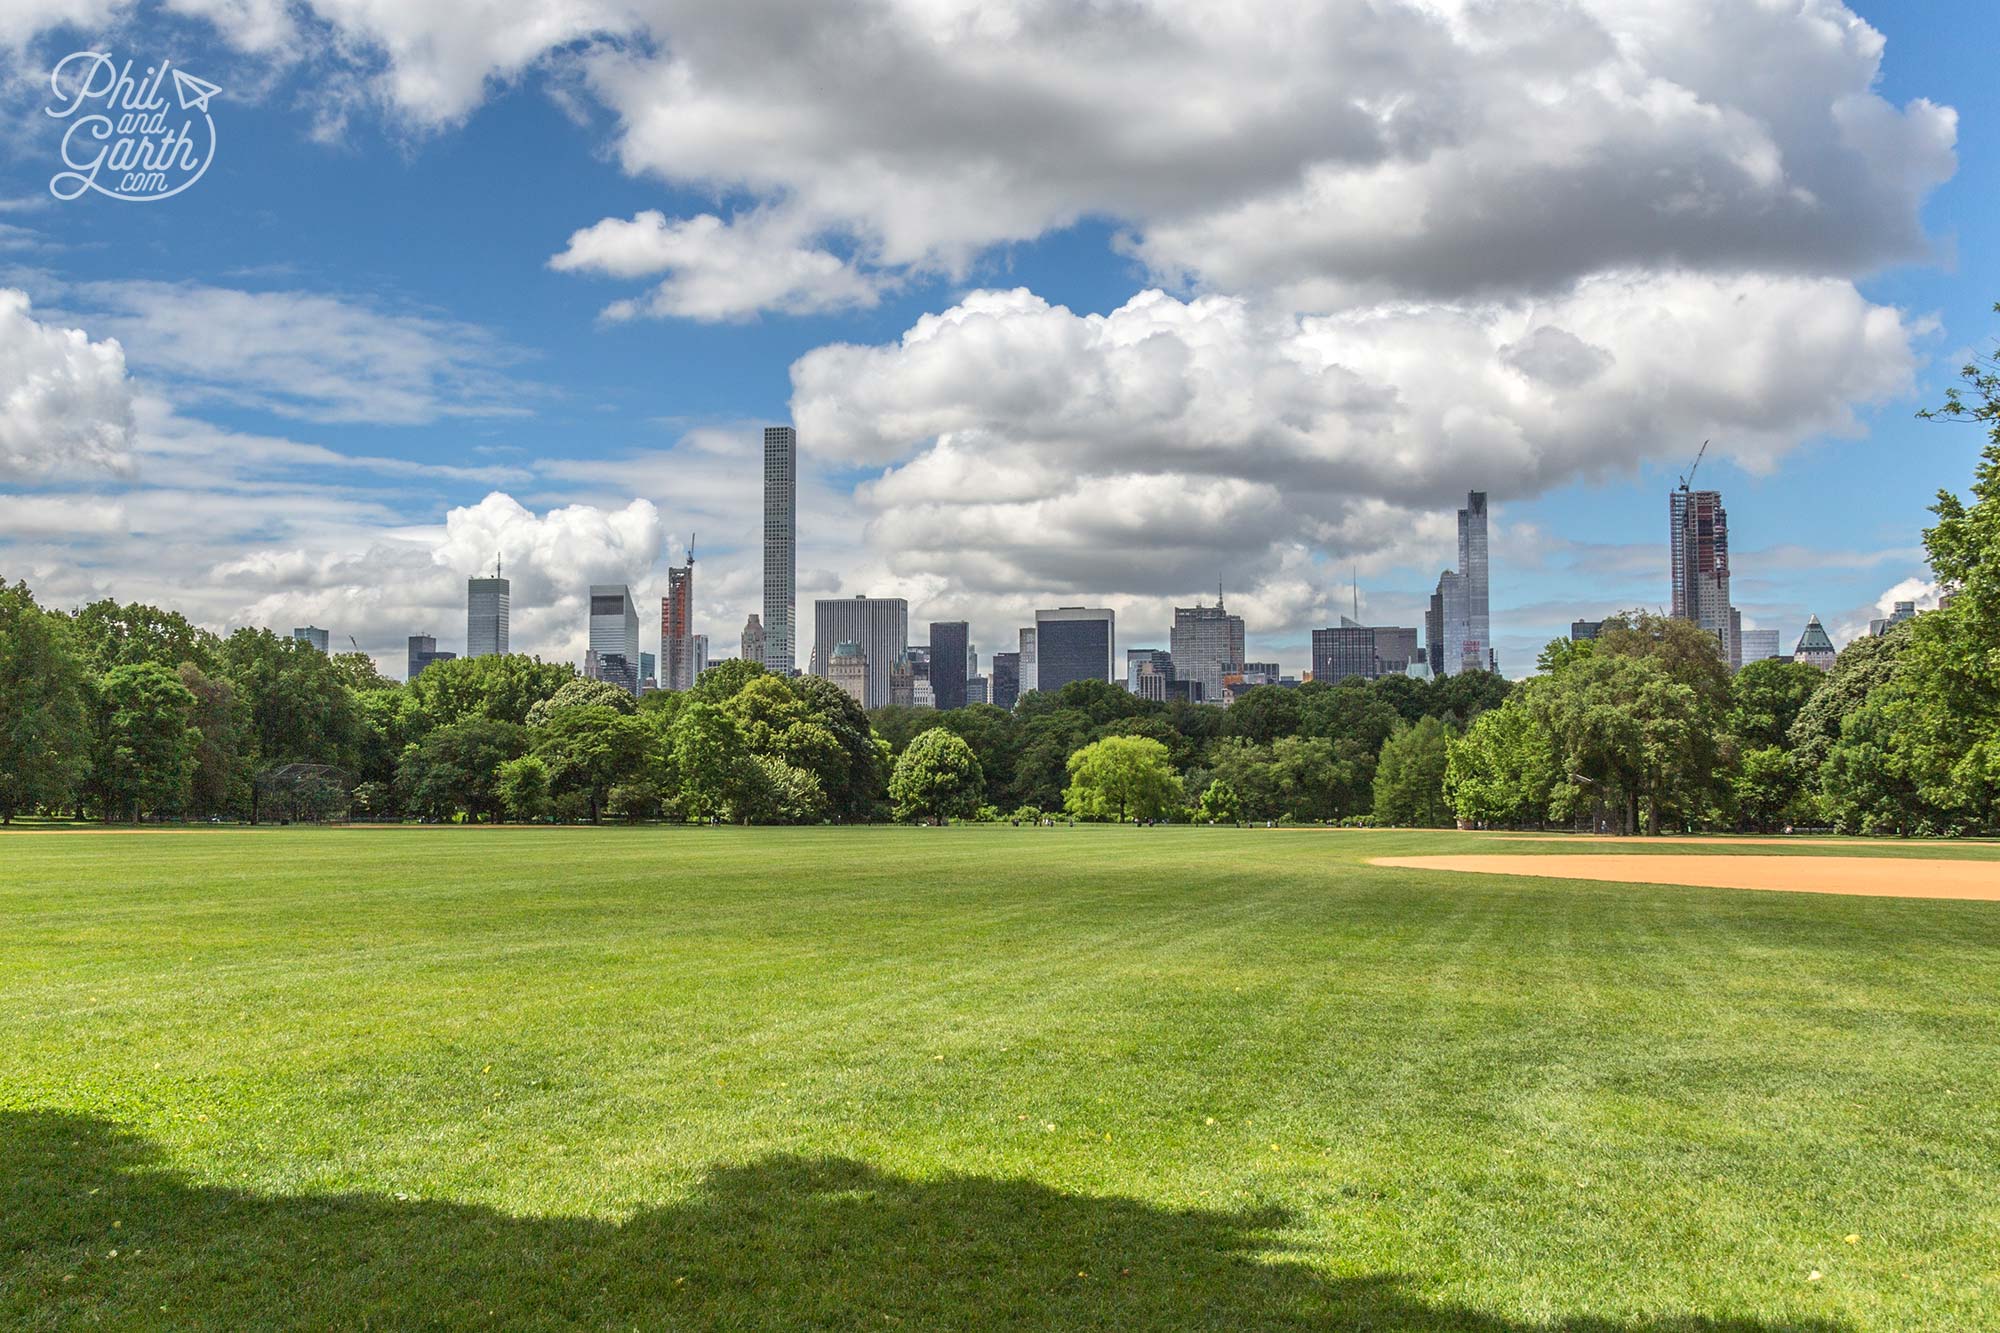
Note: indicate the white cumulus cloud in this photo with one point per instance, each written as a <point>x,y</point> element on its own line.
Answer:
<point>1138,451</point>
<point>716,270</point>
<point>65,403</point>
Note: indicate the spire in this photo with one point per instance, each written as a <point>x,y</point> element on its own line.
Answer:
<point>690,558</point>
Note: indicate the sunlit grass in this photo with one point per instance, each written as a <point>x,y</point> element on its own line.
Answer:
<point>968,1078</point>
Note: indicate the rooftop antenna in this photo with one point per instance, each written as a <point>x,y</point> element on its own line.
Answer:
<point>1218,593</point>
<point>690,548</point>
<point>496,564</point>
<point>1688,480</point>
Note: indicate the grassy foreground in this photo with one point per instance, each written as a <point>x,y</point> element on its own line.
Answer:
<point>975,1078</point>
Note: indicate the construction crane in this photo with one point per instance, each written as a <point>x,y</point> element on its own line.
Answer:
<point>357,647</point>
<point>1688,480</point>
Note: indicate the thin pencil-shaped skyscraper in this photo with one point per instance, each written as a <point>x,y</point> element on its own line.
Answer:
<point>781,513</point>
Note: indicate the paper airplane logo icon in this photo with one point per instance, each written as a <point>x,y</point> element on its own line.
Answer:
<point>194,93</point>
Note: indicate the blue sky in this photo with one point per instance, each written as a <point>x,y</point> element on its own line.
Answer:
<point>352,369</point>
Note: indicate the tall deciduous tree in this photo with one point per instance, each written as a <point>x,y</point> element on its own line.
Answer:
<point>1120,778</point>
<point>143,758</point>
<point>221,781</point>
<point>43,726</point>
<point>500,687</point>
<point>1409,779</point>
<point>937,777</point>
<point>456,769</point>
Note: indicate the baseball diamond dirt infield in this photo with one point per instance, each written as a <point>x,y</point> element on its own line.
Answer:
<point>1869,876</point>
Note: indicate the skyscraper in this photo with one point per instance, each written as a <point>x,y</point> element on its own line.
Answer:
<point>1395,649</point>
<point>1159,660</point>
<point>1449,626</point>
<point>1815,648</point>
<point>1698,542</point>
<point>614,636</point>
<point>781,515</point>
<point>1074,643</point>
<point>486,611</point>
<point>424,651</point>
<point>677,628</point>
<point>1760,645</point>
<point>313,635</point>
<point>1474,569</point>
<point>1346,650</point>
<point>1206,644</point>
<point>879,626</point>
<point>848,668</point>
<point>1028,681</point>
<point>949,647</point>
<point>1004,691</point>
<point>1458,629</point>
<point>753,640</point>
<point>1903,611</point>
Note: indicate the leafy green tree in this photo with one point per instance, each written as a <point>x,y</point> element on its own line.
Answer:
<point>111,635</point>
<point>361,675</point>
<point>1099,701</point>
<point>456,769</point>
<point>1503,771</point>
<point>1248,770</point>
<point>523,787</point>
<point>1766,787</point>
<point>725,680</point>
<point>711,760</point>
<point>776,792</point>
<point>1316,781</point>
<point>1263,714</point>
<point>591,748</point>
<point>1638,723</point>
<point>936,777</point>
<point>1219,804</point>
<point>221,781</point>
<point>1862,668</point>
<point>1120,778</point>
<point>1409,777</point>
<point>579,692</point>
<point>852,778</point>
<point>633,801</point>
<point>1460,698</point>
<point>1766,698</point>
<point>374,800</point>
<point>43,724</point>
<point>994,737</point>
<point>144,757</point>
<point>301,706</point>
<point>386,722</point>
<point>499,687</point>
<point>1937,718</point>
<point>1041,769</point>
<point>763,710</point>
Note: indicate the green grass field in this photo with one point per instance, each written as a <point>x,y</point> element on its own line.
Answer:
<point>928,1079</point>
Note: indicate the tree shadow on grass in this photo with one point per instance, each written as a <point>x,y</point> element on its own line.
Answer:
<point>784,1243</point>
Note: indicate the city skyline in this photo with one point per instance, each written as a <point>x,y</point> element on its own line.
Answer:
<point>1207,645</point>
<point>1084,376</point>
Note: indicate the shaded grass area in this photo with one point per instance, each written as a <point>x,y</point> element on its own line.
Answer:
<point>924,1078</point>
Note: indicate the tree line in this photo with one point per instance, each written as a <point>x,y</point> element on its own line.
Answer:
<point>122,712</point>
